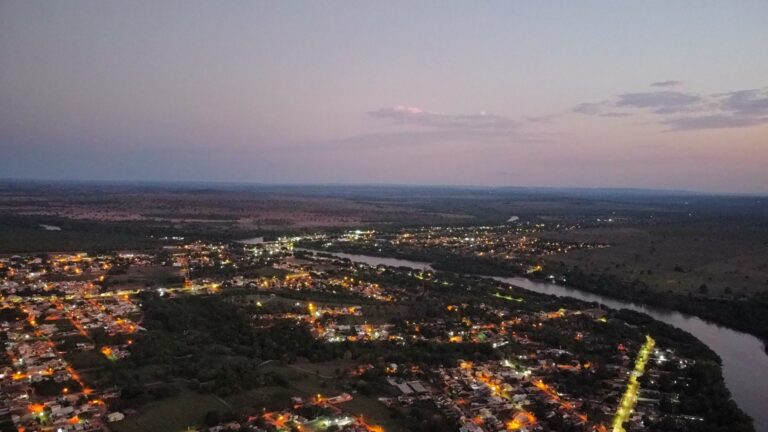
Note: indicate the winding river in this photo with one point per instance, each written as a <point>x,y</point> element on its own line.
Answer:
<point>745,362</point>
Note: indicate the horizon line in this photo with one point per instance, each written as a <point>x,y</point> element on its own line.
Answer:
<point>242,183</point>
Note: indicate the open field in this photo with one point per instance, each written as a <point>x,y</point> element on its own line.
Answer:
<point>304,379</point>
<point>701,258</point>
<point>171,414</point>
<point>70,216</point>
<point>228,211</point>
<point>23,234</point>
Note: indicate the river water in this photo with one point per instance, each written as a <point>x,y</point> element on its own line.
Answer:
<point>745,362</point>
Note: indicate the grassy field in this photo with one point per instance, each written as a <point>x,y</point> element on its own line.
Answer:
<point>15,239</point>
<point>304,379</point>
<point>726,260</point>
<point>172,414</point>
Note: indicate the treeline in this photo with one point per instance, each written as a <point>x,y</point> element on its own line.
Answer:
<point>701,391</point>
<point>23,234</point>
<point>748,316</point>
<point>703,395</point>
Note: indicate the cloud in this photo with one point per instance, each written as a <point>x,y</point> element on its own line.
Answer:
<point>413,126</point>
<point>546,118</point>
<point>468,124</point>
<point>660,101</point>
<point>746,102</point>
<point>687,111</point>
<point>597,109</point>
<point>483,123</point>
<point>590,108</point>
<point>715,121</point>
<point>668,83</point>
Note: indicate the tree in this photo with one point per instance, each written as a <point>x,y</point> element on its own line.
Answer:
<point>212,418</point>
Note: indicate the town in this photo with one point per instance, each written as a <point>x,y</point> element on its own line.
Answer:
<point>328,344</point>
<point>515,247</point>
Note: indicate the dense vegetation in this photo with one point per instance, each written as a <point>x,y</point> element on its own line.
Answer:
<point>209,344</point>
<point>748,315</point>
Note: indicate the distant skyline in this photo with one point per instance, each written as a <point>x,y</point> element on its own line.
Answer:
<point>656,95</point>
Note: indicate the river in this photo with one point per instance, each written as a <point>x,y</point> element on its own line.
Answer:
<point>745,362</point>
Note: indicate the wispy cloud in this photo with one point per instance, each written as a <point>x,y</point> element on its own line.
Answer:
<point>715,121</point>
<point>668,83</point>
<point>599,109</point>
<point>412,126</point>
<point>469,123</point>
<point>687,111</point>
<point>660,102</point>
<point>746,102</point>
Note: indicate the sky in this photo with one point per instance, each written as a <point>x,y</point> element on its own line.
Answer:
<point>651,94</point>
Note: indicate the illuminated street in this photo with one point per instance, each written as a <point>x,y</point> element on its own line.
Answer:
<point>628,401</point>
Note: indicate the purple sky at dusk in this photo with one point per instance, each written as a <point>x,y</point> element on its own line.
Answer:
<point>655,94</point>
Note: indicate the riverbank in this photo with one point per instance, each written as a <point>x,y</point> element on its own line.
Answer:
<point>748,316</point>
<point>740,354</point>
